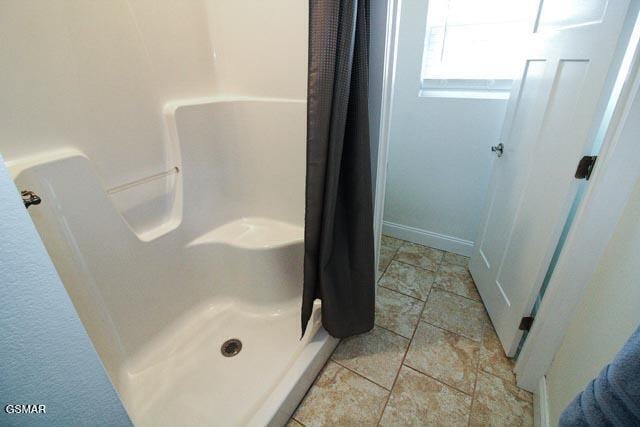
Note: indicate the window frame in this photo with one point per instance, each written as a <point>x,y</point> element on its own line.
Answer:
<point>459,87</point>
<point>466,88</point>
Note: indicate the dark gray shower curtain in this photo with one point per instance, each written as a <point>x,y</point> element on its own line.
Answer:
<point>339,255</point>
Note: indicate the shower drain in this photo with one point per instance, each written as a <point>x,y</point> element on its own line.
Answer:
<point>231,347</point>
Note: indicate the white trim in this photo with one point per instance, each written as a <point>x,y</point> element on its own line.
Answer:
<point>484,85</point>
<point>614,178</point>
<point>466,88</point>
<point>541,405</point>
<point>464,94</point>
<point>428,238</point>
<point>388,79</point>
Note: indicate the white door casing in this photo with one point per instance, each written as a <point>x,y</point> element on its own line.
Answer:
<point>552,109</point>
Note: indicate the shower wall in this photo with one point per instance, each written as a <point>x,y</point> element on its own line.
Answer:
<point>95,75</point>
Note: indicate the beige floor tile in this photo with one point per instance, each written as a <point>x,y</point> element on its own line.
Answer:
<point>407,279</point>
<point>376,355</point>
<point>396,312</point>
<point>386,255</point>
<point>420,256</point>
<point>417,400</point>
<point>500,403</point>
<point>445,356</point>
<point>435,384</point>
<point>492,357</point>
<point>455,313</point>
<point>456,259</point>
<point>391,242</point>
<point>340,397</point>
<point>456,279</point>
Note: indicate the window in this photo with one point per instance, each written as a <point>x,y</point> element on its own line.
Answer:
<point>472,45</point>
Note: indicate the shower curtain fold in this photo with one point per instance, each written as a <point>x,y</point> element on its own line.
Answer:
<point>339,251</point>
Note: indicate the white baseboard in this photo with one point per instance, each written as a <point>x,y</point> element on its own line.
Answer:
<point>428,238</point>
<point>541,405</point>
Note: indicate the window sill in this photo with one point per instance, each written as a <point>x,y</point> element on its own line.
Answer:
<point>464,94</point>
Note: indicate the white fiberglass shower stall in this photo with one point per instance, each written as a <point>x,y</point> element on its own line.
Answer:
<point>166,140</point>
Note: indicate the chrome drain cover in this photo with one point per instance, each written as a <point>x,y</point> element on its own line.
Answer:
<point>231,347</point>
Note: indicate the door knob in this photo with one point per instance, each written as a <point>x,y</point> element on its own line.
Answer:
<point>498,149</point>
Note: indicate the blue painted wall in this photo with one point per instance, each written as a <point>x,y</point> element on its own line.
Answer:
<point>46,356</point>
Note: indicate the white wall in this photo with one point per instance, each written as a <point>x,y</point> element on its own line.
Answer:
<point>440,160</point>
<point>606,316</point>
<point>46,356</point>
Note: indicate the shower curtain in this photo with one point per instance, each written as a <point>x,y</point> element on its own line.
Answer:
<point>339,255</point>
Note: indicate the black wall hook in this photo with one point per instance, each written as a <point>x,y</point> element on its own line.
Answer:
<point>30,198</point>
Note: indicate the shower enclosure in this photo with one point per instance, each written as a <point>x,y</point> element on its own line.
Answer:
<point>173,212</point>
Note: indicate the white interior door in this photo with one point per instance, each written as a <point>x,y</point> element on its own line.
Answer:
<point>552,109</point>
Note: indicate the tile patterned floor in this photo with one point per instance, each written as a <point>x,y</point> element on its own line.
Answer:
<point>433,357</point>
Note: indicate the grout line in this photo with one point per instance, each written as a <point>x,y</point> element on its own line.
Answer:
<point>395,252</point>
<point>445,329</point>
<point>393,332</point>
<point>499,377</point>
<point>480,368</point>
<point>425,246</point>
<point>449,264</point>
<point>477,365</point>
<point>451,332</point>
<point>438,380</point>
<point>297,420</point>
<point>459,335</point>
<point>395,380</point>
<point>359,374</point>
<point>414,266</point>
<point>405,295</point>
<point>384,271</point>
<point>475,384</point>
<point>473,396</point>
<point>453,293</point>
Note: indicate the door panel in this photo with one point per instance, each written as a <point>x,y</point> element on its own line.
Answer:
<point>550,186</point>
<point>557,15</point>
<point>551,111</point>
<point>516,156</point>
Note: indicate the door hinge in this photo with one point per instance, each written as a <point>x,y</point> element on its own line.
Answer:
<point>585,167</point>
<point>525,323</point>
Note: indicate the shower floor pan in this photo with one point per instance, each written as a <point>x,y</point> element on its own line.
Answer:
<point>185,380</point>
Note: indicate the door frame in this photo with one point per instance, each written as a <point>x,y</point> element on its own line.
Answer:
<point>384,132</point>
<point>612,182</point>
